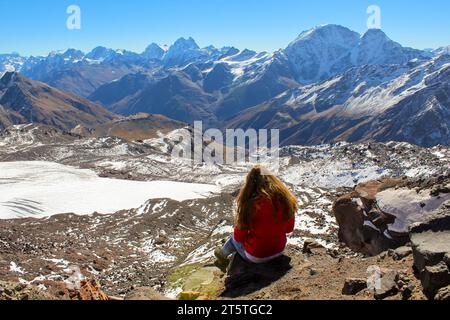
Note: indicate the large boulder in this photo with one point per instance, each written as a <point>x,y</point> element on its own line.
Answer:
<point>363,228</point>
<point>377,215</point>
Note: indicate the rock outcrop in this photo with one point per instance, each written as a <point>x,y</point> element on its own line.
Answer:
<point>430,241</point>
<point>443,294</point>
<point>90,290</point>
<point>376,216</point>
<point>362,226</point>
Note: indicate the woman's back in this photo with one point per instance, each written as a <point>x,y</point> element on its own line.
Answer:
<point>265,214</point>
<point>267,235</point>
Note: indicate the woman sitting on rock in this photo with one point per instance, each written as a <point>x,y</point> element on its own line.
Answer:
<point>265,214</point>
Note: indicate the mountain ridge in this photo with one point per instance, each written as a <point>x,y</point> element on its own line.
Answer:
<point>220,86</point>
<point>27,101</point>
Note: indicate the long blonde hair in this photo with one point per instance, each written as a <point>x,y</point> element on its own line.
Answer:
<point>260,183</point>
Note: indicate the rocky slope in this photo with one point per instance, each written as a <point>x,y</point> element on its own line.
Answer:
<point>140,126</point>
<point>174,95</point>
<point>23,101</point>
<point>170,242</point>
<point>369,103</point>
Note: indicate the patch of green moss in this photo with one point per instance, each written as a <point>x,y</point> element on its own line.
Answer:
<point>177,276</point>
<point>197,280</point>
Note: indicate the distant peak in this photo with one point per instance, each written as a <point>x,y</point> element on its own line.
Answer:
<point>186,43</point>
<point>100,52</point>
<point>327,27</point>
<point>325,30</point>
<point>330,26</point>
<point>375,33</point>
<point>248,51</point>
<point>153,45</point>
<point>72,50</point>
<point>154,50</point>
<point>99,48</point>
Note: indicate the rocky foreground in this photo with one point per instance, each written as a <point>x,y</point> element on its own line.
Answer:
<point>357,236</point>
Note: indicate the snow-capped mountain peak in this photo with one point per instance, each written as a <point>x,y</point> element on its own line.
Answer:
<point>325,51</point>
<point>315,51</point>
<point>101,53</point>
<point>73,54</point>
<point>375,47</point>
<point>182,52</point>
<point>327,31</point>
<point>375,35</point>
<point>154,51</point>
<point>185,44</point>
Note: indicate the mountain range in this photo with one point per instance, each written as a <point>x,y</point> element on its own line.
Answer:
<point>327,85</point>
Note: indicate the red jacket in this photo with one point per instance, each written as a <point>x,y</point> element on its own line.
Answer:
<point>268,235</point>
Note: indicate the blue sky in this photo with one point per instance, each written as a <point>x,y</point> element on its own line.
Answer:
<point>39,26</point>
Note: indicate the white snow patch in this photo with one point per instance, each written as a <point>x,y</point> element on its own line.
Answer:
<point>13,267</point>
<point>202,253</point>
<point>409,206</point>
<point>62,263</point>
<point>160,256</point>
<point>173,293</point>
<point>41,189</point>
<point>223,230</point>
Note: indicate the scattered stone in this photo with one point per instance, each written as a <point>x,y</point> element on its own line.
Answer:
<point>353,285</point>
<point>312,272</point>
<point>100,264</point>
<point>443,294</point>
<point>407,291</point>
<point>387,285</point>
<point>383,255</point>
<point>334,253</point>
<point>401,253</point>
<point>310,246</point>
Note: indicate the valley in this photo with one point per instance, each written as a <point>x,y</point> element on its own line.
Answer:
<point>131,229</point>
